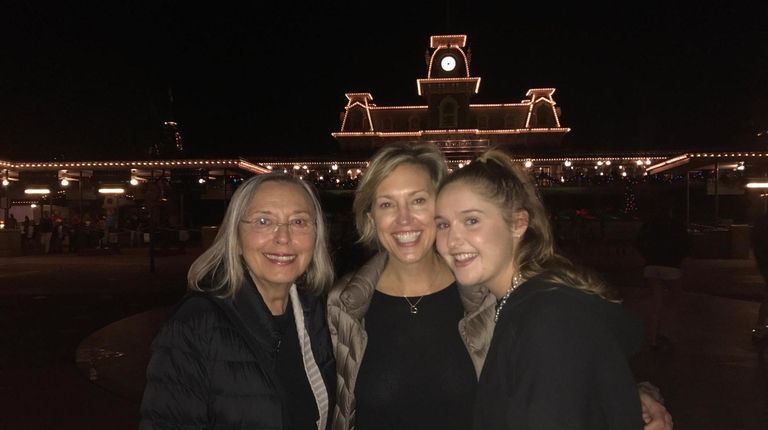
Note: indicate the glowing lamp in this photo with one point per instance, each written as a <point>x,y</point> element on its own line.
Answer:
<point>111,190</point>
<point>64,182</point>
<point>37,191</point>
<point>757,185</point>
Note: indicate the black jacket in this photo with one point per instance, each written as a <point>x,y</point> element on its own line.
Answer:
<point>213,364</point>
<point>557,360</point>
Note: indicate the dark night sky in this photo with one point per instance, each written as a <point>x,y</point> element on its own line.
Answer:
<point>92,81</point>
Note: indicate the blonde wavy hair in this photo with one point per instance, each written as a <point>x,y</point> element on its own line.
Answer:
<point>495,177</point>
<point>220,269</point>
<point>427,156</point>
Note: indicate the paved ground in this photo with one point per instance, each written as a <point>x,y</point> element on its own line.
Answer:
<point>74,333</point>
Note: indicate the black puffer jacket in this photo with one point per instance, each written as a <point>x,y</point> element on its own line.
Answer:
<point>213,364</point>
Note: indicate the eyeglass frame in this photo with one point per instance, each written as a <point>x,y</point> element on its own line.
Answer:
<point>310,222</point>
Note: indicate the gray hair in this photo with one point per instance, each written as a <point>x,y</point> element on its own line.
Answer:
<point>426,156</point>
<point>222,264</point>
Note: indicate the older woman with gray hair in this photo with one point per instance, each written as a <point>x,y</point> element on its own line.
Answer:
<point>249,346</point>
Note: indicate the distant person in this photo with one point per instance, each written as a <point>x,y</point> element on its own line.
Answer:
<point>760,251</point>
<point>46,231</point>
<point>663,243</point>
<point>12,222</point>
<point>249,347</point>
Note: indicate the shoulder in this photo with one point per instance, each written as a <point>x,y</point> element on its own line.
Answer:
<point>550,308</point>
<point>194,319</point>
<point>561,312</point>
<point>354,290</point>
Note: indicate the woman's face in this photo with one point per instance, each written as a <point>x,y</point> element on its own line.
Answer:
<point>403,212</point>
<point>278,257</point>
<point>474,238</point>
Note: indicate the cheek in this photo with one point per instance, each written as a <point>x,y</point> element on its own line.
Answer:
<point>441,242</point>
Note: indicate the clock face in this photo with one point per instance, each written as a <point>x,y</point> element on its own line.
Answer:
<point>448,63</point>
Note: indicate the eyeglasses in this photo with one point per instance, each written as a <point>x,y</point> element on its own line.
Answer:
<point>264,225</point>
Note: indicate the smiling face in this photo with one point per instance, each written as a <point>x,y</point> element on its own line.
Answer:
<point>475,239</point>
<point>276,259</point>
<point>403,211</point>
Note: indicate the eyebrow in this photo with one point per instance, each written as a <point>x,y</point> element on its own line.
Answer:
<point>268,212</point>
<point>388,196</point>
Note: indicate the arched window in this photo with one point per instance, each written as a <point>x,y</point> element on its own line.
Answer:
<point>449,113</point>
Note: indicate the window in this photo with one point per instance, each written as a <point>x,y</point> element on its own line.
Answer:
<point>449,113</point>
<point>414,123</point>
<point>482,122</point>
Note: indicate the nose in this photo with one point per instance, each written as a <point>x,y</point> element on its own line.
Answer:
<point>454,238</point>
<point>283,233</point>
<point>403,214</point>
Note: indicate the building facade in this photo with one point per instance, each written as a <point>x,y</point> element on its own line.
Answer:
<point>448,117</point>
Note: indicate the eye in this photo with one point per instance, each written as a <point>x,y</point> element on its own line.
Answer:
<point>385,205</point>
<point>419,201</point>
<point>471,221</point>
<point>300,222</point>
<point>442,225</point>
<point>264,222</point>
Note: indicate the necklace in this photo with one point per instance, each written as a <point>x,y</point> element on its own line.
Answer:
<point>516,281</point>
<point>414,308</point>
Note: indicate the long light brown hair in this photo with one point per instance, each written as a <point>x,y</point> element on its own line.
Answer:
<point>496,178</point>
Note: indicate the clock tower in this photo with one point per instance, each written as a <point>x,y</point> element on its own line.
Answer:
<point>448,87</point>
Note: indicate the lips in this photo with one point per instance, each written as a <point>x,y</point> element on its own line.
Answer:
<point>407,237</point>
<point>464,258</point>
<point>280,258</point>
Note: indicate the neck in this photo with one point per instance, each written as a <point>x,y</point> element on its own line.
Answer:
<point>275,296</point>
<point>276,300</point>
<point>501,288</point>
<point>414,279</point>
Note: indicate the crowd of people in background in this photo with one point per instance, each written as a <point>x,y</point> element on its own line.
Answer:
<point>54,233</point>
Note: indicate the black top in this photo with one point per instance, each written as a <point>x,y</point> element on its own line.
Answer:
<point>557,360</point>
<point>300,406</point>
<point>416,372</point>
<point>213,364</point>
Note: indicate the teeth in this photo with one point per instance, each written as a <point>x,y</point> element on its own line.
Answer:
<point>407,237</point>
<point>280,258</point>
<point>464,256</point>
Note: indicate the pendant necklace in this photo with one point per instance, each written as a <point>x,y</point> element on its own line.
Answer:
<point>516,281</point>
<point>414,305</point>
